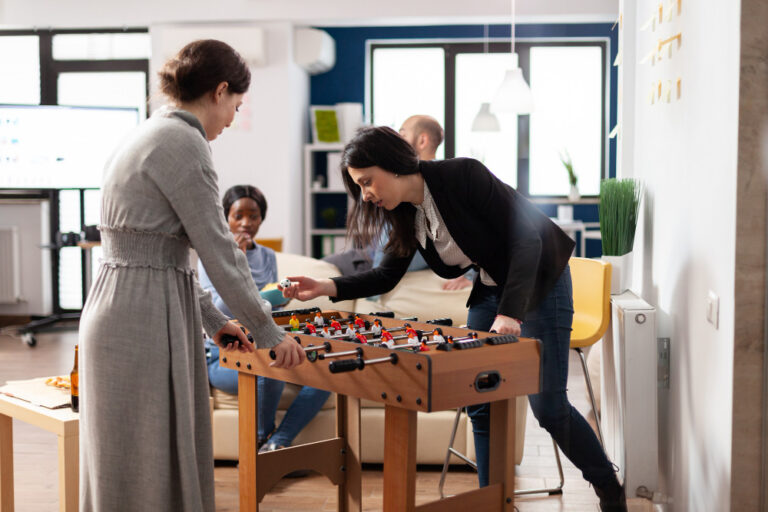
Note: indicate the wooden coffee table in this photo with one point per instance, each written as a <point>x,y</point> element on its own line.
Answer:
<point>62,422</point>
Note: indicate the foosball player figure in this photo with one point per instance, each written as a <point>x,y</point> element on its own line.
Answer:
<point>336,326</point>
<point>310,329</point>
<point>325,332</point>
<point>294,323</point>
<point>360,338</point>
<point>437,335</point>
<point>423,347</point>
<point>386,338</point>
<point>411,331</point>
<point>359,322</point>
<point>413,337</point>
<point>376,328</point>
<point>319,320</point>
<point>449,338</point>
<point>350,332</point>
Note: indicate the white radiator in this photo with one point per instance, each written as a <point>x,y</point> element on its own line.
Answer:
<point>629,392</point>
<point>10,271</point>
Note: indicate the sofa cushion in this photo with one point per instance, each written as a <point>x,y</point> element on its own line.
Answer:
<point>224,400</point>
<point>421,294</point>
<point>298,265</point>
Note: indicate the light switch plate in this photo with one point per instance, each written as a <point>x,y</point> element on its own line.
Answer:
<point>713,308</point>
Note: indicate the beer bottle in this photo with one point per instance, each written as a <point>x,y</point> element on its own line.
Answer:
<point>73,387</point>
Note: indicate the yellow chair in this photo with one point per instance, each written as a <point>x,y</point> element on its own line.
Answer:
<point>591,315</point>
<point>276,244</point>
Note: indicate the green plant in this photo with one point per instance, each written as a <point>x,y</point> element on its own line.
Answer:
<point>619,203</point>
<point>329,216</point>
<point>573,179</point>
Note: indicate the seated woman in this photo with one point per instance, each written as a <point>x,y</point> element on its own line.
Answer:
<point>245,209</point>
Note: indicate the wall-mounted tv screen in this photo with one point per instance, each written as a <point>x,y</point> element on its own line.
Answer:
<point>45,146</point>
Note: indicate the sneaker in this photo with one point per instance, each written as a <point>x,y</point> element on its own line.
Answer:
<point>271,447</point>
<point>612,497</point>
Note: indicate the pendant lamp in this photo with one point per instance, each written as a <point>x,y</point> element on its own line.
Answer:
<point>513,94</point>
<point>485,120</point>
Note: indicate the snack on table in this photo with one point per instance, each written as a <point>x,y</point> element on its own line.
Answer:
<point>58,382</point>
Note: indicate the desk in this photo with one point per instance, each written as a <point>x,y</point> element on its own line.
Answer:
<point>422,381</point>
<point>62,422</point>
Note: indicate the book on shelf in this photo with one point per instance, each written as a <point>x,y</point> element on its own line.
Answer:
<point>333,244</point>
<point>334,181</point>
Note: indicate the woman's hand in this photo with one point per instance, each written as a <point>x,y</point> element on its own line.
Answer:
<point>457,283</point>
<point>288,354</point>
<point>306,288</point>
<point>244,241</point>
<point>231,337</point>
<point>506,325</point>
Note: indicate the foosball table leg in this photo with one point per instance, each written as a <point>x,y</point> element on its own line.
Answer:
<point>348,428</point>
<point>399,459</point>
<point>248,434</point>
<point>501,462</point>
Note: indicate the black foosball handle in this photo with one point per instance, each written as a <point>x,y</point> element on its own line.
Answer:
<point>346,365</point>
<point>229,338</point>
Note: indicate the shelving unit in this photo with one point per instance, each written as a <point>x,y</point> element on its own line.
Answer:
<point>324,233</point>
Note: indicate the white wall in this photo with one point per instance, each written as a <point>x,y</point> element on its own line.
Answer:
<point>87,13</point>
<point>263,146</point>
<point>685,152</point>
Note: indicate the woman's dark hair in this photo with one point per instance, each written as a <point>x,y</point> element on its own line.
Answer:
<point>382,147</point>
<point>241,191</point>
<point>200,67</point>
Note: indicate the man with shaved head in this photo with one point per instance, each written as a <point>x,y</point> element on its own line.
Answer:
<point>424,134</point>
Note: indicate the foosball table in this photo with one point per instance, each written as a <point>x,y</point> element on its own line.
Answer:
<point>409,366</point>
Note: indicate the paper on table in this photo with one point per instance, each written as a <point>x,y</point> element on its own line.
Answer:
<point>37,392</point>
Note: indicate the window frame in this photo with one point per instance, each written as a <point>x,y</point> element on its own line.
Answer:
<point>452,47</point>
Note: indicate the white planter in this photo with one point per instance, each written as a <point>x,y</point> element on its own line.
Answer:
<point>574,194</point>
<point>621,272</point>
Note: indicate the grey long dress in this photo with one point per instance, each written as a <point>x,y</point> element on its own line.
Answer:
<point>145,433</point>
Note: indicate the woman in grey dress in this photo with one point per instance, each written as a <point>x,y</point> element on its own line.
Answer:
<point>144,420</point>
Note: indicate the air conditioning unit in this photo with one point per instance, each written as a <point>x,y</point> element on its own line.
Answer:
<point>314,50</point>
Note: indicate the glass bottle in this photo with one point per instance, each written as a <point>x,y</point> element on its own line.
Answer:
<point>73,386</point>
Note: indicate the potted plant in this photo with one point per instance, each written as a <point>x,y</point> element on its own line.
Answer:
<point>573,179</point>
<point>618,210</point>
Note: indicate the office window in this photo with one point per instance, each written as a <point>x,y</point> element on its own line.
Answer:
<point>567,78</point>
<point>477,77</point>
<point>568,94</point>
<point>408,81</point>
<point>104,89</point>
<point>109,46</point>
<point>20,65</point>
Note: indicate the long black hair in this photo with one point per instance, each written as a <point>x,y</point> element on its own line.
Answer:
<point>240,191</point>
<point>379,146</point>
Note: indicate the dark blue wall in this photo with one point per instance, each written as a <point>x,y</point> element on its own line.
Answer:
<point>346,81</point>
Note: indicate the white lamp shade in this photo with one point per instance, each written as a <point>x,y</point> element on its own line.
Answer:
<point>485,120</point>
<point>513,94</point>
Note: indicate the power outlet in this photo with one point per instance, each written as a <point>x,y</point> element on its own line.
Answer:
<point>713,309</point>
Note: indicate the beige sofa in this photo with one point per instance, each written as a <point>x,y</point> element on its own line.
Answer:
<point>419,294</point>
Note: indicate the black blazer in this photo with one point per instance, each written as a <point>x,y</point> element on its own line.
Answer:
<point>522,250</point>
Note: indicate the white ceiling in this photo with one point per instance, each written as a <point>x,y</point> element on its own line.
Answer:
<point>110,13</point>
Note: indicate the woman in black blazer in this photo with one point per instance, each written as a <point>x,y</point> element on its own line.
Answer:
<point>458,215</point>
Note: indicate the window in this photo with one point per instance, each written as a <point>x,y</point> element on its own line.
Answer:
<point>568,81</point>
<point>398,95</point>
<point>82,68</point>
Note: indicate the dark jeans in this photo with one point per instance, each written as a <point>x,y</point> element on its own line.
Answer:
<point>551,323</point>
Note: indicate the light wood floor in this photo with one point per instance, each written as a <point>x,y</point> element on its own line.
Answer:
<point>35,459</point>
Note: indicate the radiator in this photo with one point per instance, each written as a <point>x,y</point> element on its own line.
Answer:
<point>629,393</point>
<point>10,270</point>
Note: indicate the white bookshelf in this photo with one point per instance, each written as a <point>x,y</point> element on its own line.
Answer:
<point>322,236</point>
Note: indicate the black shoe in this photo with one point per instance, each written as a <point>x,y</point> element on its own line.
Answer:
<point>612,497</point>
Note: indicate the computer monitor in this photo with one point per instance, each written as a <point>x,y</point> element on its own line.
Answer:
<point>44,146</point>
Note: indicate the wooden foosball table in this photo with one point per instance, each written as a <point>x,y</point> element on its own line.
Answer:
<point>415,367</point>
